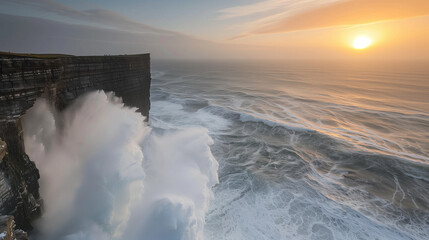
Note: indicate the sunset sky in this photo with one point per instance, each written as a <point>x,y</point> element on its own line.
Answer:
<point>278,29</point>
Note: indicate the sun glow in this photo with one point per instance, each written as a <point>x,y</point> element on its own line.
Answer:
<point>362,42</point>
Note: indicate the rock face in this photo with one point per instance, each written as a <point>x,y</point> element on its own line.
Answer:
<point>60,80</point>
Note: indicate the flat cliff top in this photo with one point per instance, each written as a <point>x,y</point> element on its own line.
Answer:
<point>10,55</point>
<point>30,55</point>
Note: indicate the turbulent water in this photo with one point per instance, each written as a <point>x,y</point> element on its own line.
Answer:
<point>104,174</point>
<point>241,151</point>
<point>307,150</point>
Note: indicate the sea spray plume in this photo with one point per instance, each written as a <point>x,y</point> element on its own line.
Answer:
<point>180,171</point>
<point>92,174</point>
<point>88,167</point>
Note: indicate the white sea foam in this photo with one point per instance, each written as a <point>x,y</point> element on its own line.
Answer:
<point>96,184</point>
<point>172,115</point>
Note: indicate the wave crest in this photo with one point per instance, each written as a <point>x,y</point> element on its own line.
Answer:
<point>96,184</point>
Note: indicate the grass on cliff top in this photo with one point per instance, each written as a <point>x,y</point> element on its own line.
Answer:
<point>30,55</point>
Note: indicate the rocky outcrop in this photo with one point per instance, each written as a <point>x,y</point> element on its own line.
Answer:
<point>8,231</point>
<point>60,80</point>
<point>19,189</point>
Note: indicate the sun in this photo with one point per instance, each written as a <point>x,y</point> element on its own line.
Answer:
<point>362,42</point>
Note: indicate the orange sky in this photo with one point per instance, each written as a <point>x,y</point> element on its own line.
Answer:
<point>349,12</point>
<point>399,30</point>
<point>395,39</point>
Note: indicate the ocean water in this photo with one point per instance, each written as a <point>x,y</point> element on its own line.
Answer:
<point>306,150</point>
<point>240,151</point>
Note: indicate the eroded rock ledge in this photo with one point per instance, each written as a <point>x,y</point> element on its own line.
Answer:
<point>60,80</point>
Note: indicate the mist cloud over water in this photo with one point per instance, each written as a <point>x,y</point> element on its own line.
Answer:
<point>106,175</point>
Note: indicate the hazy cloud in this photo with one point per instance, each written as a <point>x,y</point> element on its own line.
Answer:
<point>29,34</point>
<point>350,12</point>
<point>37,35</point>
<point>287,7</point>
<point>104,17</point>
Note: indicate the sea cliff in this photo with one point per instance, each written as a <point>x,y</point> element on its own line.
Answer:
<point>60,79</point>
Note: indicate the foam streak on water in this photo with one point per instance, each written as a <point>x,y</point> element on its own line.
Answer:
<point>304,151</point>
<point>307,150</point>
